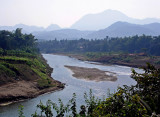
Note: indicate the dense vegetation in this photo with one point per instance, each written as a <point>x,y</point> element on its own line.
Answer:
<point>20,59</point>
<point>134,44</point>
<point>16,40</point>
<point>141,100</point>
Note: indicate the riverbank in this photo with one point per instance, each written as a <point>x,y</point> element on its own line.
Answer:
<point>92,74</point>
<point>24,73</point>
<point>24,77</point>
<point>130,60</point>
<point>22,90</point>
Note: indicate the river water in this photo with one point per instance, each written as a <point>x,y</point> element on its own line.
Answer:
<point>73,85</point>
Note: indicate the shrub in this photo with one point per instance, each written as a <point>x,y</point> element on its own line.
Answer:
<point>44,83</point>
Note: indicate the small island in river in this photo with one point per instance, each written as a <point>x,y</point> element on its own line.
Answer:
<point>93,74</point>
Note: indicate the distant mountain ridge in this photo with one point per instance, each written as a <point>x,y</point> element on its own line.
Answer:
<point>52,27</point>
<point>88,22</point>
<point>104,19</point>
<point>30,29</point>
<point>122,29</point>
<point>69,34</point>
<point>118,29</point>
<point>110,23</point>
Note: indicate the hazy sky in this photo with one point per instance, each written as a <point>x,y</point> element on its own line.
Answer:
<point>66,12</point>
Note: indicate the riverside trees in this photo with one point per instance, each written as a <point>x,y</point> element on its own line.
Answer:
<point>16,40</point>
<point>134,44</point>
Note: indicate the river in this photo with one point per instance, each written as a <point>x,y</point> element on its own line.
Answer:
<point>73,85</point>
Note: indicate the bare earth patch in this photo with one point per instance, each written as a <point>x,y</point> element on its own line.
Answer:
<point>93,74</point>
<point>13,92</point>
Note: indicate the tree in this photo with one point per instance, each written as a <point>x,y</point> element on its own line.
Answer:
<point>16,40</point>
<point>148,86</point>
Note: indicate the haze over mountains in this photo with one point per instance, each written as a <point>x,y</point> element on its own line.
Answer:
<point>108,23</point>
<point>30,29</point>
<point>122,29</point>
<point>104,19</point>
<point>118,29</point>
<point>61,34</point>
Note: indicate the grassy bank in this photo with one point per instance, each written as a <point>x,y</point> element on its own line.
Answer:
<point>23,71</point>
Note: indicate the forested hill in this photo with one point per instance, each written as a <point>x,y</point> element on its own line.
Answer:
<point>134,44</point>
<point>23,71</point>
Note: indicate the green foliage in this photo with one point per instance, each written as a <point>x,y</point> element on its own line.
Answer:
<point>20,53</point>
<point>148,85</point>
<point>91,103</point>
<point>44,83</point>
<point>14,59</point>
<point>20,109</point>
<point>39,73</point>
<point>95,55</point>
<point>8,69</point>
<point>1,51</point>
<point>135,44</point>
<point>44,109</point>
<point>73,105</point>
<point>17,40</point>
<point>122,104</point>
<point>109,57</point>
<point>38,63</point>
<point>19,50</point>
<point>61,109</point>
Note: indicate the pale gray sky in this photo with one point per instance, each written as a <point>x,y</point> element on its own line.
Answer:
<point>66,12</point>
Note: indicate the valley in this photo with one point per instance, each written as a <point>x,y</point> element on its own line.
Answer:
<point>76,59</point>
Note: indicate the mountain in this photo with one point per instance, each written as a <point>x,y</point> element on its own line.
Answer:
<point>30,29</point>
<point>104,19</point>
<point>61,34</point>
<point>118,29</point>
<point>52,27</point>
<point>25,28</point>
<point>122,29</point>
<point>154,26</point>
